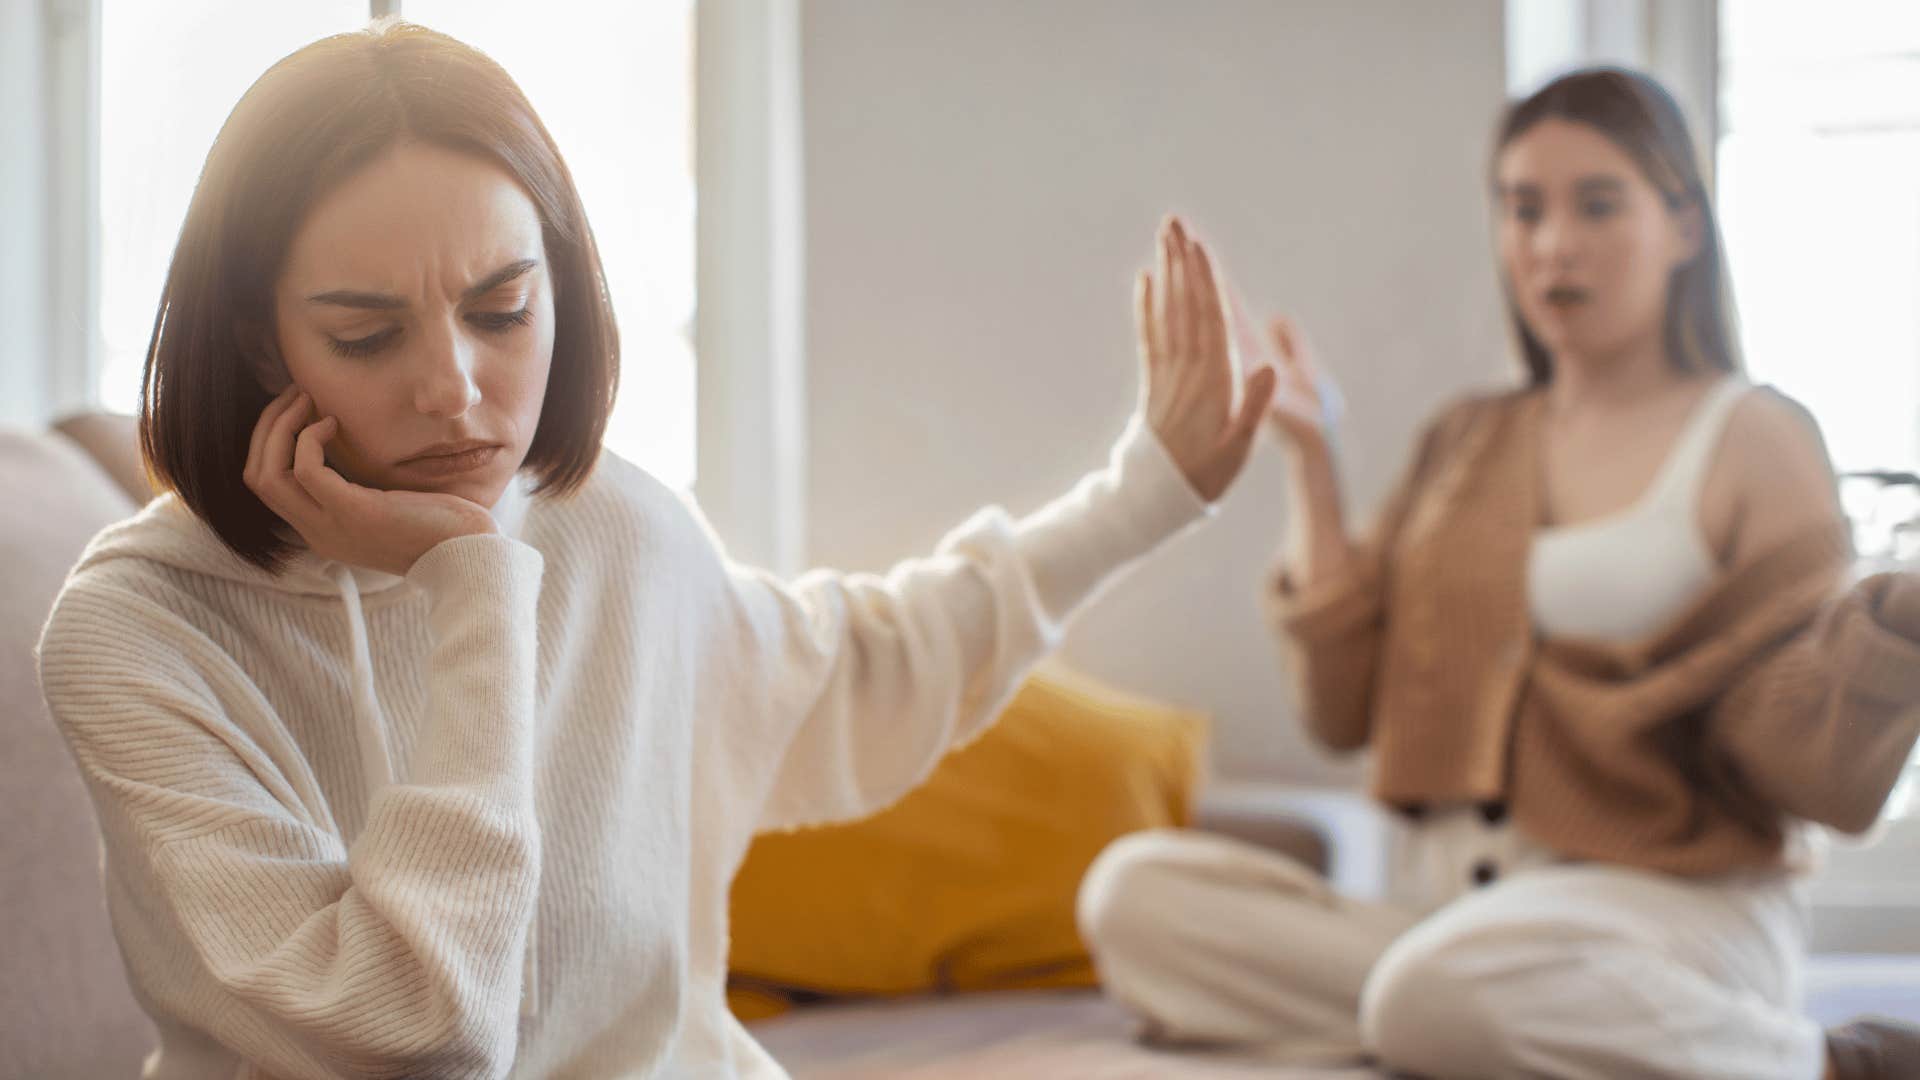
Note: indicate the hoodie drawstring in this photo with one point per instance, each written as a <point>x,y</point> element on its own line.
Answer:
<point>369,726</point>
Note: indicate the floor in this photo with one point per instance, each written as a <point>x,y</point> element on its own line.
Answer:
<point>1073,1035</point>
<point>1042,1035</point>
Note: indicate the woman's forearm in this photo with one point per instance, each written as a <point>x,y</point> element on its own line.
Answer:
<point>1318,547</point>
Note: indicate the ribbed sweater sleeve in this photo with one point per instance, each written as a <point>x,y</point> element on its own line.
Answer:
<point>397,956</point>
<point>871,679</point>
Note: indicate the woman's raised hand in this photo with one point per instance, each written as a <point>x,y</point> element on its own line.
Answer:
<point>341,520</point>
<point>1188,379</point>
<point>1302,413</point>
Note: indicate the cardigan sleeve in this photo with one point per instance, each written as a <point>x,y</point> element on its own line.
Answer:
<point>1822,726</point>
<point>1331,632</point>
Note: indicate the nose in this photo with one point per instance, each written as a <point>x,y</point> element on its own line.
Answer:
<point>444,387</point>
<point>1554,240</point>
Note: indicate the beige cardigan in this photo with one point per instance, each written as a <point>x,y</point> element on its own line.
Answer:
<point>1776,695</point>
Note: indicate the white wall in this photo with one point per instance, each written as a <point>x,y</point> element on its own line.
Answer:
<point>981,180</point>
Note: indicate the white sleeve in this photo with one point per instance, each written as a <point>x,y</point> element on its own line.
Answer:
<point>862,682</point>
<point>397,956</point>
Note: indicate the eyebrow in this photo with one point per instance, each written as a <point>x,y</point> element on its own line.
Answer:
<point>388,302</point>
<point>1586,185</point>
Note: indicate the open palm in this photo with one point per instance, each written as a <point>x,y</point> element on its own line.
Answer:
<point>1188,378</point>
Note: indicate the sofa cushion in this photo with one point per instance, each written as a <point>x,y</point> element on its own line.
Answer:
<point>968,883</point>
<point>112,440</point>
<point>65,1010</point>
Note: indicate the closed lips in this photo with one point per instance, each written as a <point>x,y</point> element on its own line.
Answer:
<point>449,450</point>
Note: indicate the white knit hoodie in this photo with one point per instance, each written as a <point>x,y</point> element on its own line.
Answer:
<point>480,821</point>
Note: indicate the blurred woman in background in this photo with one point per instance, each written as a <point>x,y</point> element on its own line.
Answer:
<point>1594,644</point>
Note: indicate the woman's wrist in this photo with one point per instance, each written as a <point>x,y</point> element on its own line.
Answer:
<point>1314,489</point>
<point>1319,542</point>
<point>1307,458</point>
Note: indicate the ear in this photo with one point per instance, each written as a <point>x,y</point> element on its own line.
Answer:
<point>263,358</point>
<point>1690,233</point>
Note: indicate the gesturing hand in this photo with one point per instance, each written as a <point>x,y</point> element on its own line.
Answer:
<point>1308,400</point>
<point>340,520</point>
<point>1188,378</point>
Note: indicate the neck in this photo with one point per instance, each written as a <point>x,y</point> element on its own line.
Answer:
<point>1614,378</point>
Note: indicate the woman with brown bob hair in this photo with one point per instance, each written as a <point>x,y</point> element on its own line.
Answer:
<point>325,114</point>
<point>1600,647</point>
<point>424,736</point>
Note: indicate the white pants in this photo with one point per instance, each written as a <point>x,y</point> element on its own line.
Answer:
<point>1491,959</point>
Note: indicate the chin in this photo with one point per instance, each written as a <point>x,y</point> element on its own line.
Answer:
<point>1555,340</point>
<point>1564,337</point>
<point>483,487</point>
<point>485,490</point>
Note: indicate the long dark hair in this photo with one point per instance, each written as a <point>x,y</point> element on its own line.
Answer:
<point>1641,118</point>
<point>313,120</point>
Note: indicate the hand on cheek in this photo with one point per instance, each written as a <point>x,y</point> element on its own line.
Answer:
<point>341,520</point>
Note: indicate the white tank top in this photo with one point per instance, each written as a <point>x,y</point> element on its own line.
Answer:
<point>1619,578</point>
<point>1625,576</point>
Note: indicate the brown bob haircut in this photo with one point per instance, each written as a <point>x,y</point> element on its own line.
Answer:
<point>313,120</point>
<point>1641,118</point>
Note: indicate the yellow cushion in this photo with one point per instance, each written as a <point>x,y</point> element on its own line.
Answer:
<point>968,883</point>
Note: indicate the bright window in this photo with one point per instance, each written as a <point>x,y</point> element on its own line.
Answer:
<point>169,74</point>
<point>1819,176</point>
<point>613,83</point>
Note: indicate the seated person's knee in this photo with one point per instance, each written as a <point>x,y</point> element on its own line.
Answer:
<point>1117,897</point>
<point>1425,1009</point>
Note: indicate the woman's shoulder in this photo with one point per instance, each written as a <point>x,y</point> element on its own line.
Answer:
<point>1479,409</point>
<point>1484,402</point>
<point>126,628</point>
<point>1771,442</point>
<point>1771,475</point>
<point>158,583</point>
<point>1765,417</point>
<point>159,552</point>
<point>127,608</point>
<point>621,507</point>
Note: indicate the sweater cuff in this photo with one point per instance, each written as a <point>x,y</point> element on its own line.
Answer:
<point>1897,602</point>
<point>485,565</point>
<point>1152,499</point>
<point>1328,608</point>
<point>1880,638</point>
<point>1110,519</point>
